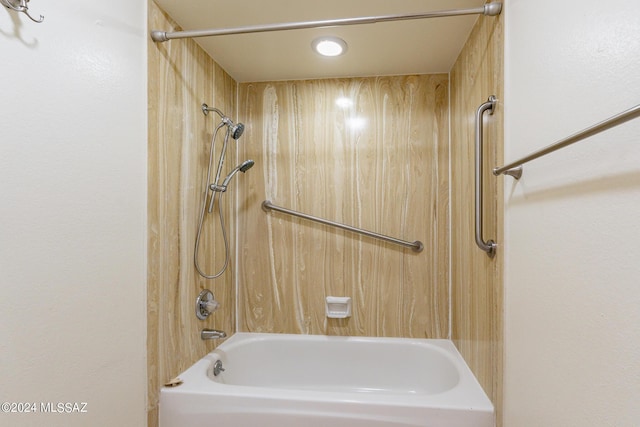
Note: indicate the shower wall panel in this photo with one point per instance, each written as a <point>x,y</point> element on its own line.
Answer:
<point>477,280</point>
<point>368,152</point>
<point>181,77</point>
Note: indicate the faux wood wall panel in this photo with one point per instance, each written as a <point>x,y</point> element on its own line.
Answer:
<point>181,78</point>
<point>477,280</point>
<point>368,152</point>
<point>380,162</point>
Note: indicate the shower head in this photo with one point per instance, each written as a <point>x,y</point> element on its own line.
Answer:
<point>246,165</point>
<point>242,167</point>
<point>234,129</point>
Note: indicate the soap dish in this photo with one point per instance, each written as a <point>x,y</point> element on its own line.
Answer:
<point>338,307</point>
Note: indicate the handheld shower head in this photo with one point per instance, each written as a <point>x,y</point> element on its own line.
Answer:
<point>242,167</point>
<point>246,165</point>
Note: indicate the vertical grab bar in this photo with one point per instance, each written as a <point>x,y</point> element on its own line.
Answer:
<point>490,246</point>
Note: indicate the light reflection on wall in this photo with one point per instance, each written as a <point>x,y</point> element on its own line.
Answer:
<point>356,123</point>
<point>353,123</point>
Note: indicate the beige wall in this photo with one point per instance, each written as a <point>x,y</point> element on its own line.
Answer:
<point>181,78</point>
<point>477,288</point>
<point>380,164</point>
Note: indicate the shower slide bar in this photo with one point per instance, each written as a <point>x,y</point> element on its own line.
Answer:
<point>417,246</point>
<point>489,246</point>
<point>514,169</point>
<point>489,9</point>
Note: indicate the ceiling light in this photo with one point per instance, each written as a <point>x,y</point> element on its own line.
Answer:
<point>329,46</point>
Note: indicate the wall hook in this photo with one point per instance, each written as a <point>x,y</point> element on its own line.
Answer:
<point>21,6</point>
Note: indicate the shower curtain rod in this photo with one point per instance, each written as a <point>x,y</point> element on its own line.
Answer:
<point>489,9</point>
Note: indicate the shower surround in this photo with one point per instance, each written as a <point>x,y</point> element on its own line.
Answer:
<point>369,152</point>
<point>380,163</point>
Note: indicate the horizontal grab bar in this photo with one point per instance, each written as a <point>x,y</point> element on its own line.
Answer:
<point>515,168</point>
<point>417,246</point>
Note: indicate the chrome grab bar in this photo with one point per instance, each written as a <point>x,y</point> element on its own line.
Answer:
<point>515,168</point>
<point>490,246</point>
<point>417,246</point>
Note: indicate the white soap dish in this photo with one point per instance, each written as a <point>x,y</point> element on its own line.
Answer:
<point>338,307</point>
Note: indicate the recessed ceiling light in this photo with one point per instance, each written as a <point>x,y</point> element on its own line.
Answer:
<point>329,46</point>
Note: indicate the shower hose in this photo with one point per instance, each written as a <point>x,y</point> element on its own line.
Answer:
<point>221,215</point>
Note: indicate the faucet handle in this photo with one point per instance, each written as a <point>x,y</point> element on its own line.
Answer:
<point>212,306</point>
<point>206,304</point>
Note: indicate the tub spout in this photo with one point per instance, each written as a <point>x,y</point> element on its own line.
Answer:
<point>212,334</point>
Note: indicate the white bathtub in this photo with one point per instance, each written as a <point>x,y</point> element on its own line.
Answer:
<point>277,380</point>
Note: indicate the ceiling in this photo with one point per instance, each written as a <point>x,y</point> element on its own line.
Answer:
<point>391,48</point>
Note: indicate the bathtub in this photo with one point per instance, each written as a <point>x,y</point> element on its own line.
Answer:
<point>278,380</point>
